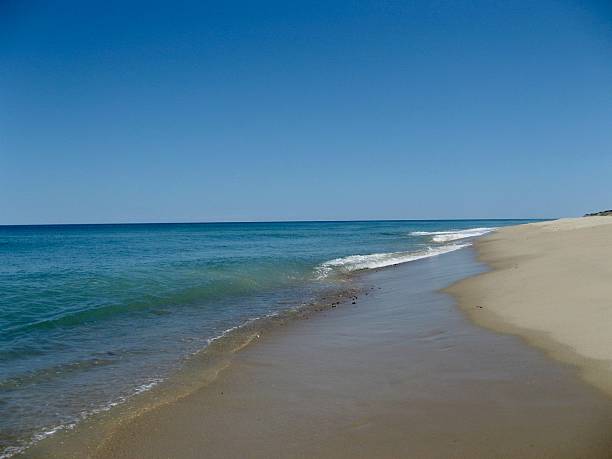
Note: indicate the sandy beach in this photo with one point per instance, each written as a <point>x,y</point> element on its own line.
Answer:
<point>295,230</point>
<point>551,285</point>
<point>400,373</point>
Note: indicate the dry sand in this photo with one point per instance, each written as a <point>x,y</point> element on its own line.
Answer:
<point>551,284</point>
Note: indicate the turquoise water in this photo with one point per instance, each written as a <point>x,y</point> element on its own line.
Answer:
<point>91,314</point>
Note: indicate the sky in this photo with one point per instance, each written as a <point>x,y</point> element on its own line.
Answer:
<point>119,111</point>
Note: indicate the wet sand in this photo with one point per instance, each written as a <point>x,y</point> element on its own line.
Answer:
<point>400,374</point>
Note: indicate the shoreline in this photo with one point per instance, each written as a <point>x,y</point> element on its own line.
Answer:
<point>182,286</point>
<point>195,373</point>
<point>342,287</point>
<point>276,378</point>
<point>535,290</point>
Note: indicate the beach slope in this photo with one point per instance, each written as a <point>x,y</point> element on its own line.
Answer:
<point>551,283</point>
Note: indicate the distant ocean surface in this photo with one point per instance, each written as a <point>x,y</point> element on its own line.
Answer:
<point>93,314</point>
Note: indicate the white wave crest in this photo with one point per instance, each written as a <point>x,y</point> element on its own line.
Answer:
<point>447,236</point>
<point>380,260</point>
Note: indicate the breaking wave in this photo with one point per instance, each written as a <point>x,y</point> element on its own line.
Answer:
<point>447,236</point>
<point>351,263</point>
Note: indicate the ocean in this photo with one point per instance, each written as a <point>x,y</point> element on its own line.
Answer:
<point>92,315</point>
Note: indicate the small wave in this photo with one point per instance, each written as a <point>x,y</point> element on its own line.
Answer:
<point>150,304</point>
<point>380,260</point>
<point>447,236</point>
<point>11,451</point>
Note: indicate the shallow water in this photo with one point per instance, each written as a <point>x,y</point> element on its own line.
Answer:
<point>92,314</point>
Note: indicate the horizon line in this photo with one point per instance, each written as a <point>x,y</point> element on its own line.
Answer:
<point>211,222</point>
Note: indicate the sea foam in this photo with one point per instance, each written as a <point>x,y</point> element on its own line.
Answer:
<point>351,263</point>
<point>447,236</point>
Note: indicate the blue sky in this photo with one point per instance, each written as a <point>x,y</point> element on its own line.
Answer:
<point>202,111</point>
